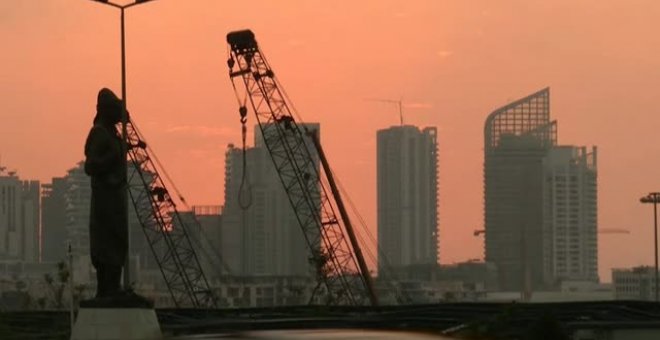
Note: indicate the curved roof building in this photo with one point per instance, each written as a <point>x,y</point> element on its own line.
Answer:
<point>539,198</point>
<point>529,116</point>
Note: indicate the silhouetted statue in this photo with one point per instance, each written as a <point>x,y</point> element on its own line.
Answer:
<point>108,225</point>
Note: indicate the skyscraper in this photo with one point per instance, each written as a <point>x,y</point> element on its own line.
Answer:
<point>53,220</point>
<point>19,218</point>
<point>30,214</point>
<point>77,199</point>
<point>260,232</point>
<point>522,209</point>
<point>407,196</point>
<point>570,206</point>
<point>209,240</point>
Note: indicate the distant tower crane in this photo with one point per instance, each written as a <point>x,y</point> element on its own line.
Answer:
<point>399,104</point>
<point>613,231</point>
<point>340,266</point>
<point>478,232</point>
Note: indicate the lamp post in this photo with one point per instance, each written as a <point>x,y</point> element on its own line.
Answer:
<point>124,116</point>
<point>654,197</point>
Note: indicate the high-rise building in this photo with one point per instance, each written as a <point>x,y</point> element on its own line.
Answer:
<point>260,232</point>
<point>19,218</point>
<point>53,220</point>
<point>10,212</point>
<point>209,218</point>
<point>407,196</point>
<point>570,213</point>
<point>532,221</point>
<point>202,225</point>
<point>30,218</point>
<point>77,200</point>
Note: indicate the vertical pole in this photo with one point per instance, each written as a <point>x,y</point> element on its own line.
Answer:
<point>124,142</point>
<point>655,240</point>
<point>523,266</point>
<point>72,306</point>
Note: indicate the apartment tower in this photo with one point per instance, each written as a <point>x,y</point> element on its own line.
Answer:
<point>407,197</point>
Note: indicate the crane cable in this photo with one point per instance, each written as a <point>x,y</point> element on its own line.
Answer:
<point>384,265</point>
<point>245,188</point>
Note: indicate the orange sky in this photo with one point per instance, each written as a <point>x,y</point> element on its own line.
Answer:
<point>452,61</point>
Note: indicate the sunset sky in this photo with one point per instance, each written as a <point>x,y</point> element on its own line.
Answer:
<point>452,62</point>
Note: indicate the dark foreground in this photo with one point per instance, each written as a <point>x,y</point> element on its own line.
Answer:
<point>460,320</point>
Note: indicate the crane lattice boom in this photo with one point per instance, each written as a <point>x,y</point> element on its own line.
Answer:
<point>164,228</point>
<point>342,274</point>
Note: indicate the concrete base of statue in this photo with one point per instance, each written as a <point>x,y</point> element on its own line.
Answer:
<point>118,318</point>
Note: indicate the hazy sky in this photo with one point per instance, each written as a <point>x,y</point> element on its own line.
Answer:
<point>452,62</point>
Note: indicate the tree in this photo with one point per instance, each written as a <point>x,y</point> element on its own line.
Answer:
<point>320,261</point>
<point>58,286</point>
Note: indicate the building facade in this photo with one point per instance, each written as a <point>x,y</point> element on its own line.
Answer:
<point>636,283</point>
<point>407,197</point>
<point>19,218</point>
<point>263,291</point>
<point>30,221</point>
<point>261,235</point>
<point>570,213</point>
<point>77,200</point>
<point>540,230</point>
<point>209,239</point>
<point>53,220</point>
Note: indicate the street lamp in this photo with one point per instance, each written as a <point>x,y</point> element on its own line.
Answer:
<point>654,197</point>
<point>124,117</point>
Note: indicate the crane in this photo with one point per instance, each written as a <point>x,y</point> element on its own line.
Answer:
<point>165,230</point>
<point>613,231</point>
<point>398,103</point>
<point>478,232</point>
<point>295,151</point>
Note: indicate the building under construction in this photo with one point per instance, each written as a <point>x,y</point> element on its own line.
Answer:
<point>540,199</point>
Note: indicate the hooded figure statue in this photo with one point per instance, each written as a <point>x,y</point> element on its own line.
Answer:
<point>108,225</point>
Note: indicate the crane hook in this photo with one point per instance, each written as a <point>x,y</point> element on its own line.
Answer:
<point>244,191</point>
<point>243,112</point>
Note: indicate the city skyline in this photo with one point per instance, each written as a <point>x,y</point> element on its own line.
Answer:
<point>599,74</point>
<point>257,145</point>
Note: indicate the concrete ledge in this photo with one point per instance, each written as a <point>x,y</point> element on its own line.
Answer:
<point>116,323</point>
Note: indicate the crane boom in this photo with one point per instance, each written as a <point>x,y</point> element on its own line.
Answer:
<point>613,231</point>
<point>339,268</point>
<point>165,230</point>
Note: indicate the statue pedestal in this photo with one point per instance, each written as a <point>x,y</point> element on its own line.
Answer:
<point>115,320</point>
